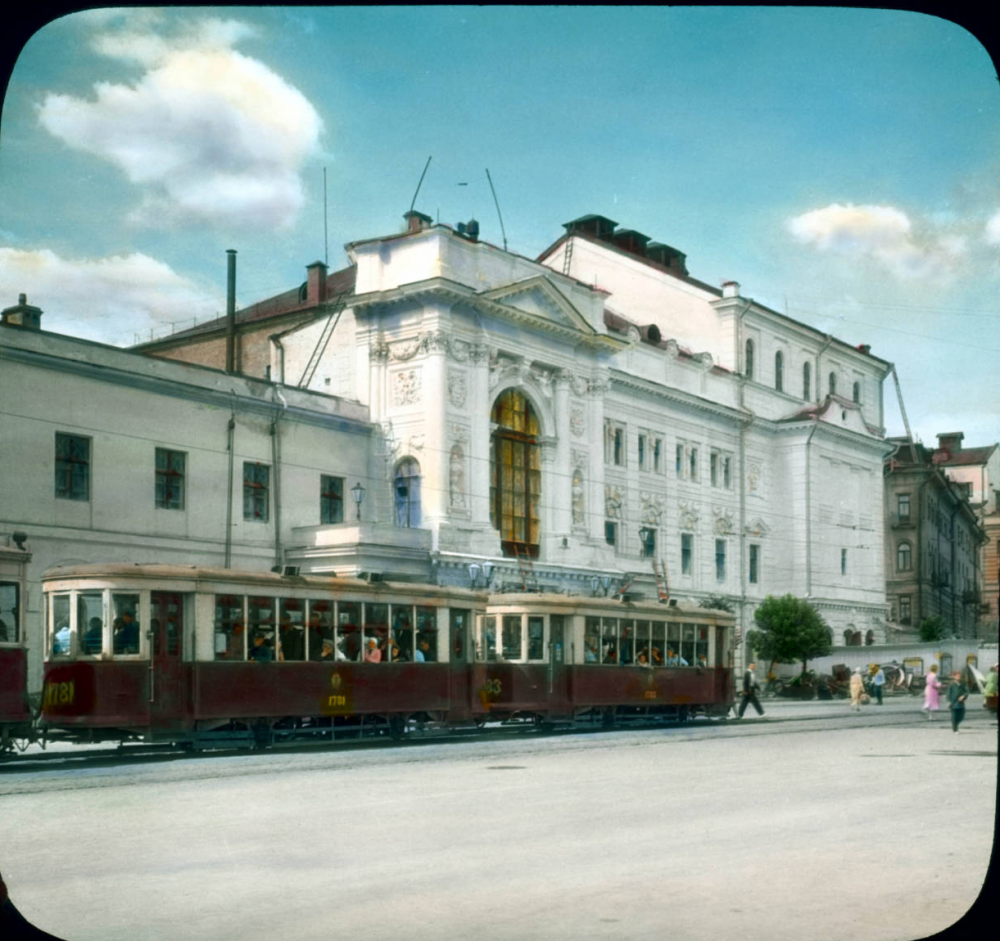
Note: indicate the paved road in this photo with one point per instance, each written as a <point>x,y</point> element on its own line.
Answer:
<point>811,823</point>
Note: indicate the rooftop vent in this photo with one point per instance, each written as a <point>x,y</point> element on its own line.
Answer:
<point>415,221</point>
<point>670,258</point>
<point>22,314</point>
<point>631,241</point>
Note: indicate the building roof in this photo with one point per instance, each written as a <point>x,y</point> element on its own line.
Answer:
<point>964,457</point>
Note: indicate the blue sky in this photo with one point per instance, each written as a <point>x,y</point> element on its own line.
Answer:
<point>842,164</point>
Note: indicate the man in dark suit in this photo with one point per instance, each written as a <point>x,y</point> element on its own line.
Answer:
<point>750,692</point>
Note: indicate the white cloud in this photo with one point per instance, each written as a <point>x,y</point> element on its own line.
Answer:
<point>211,135</point>
<point>881,233</point>
<point>105,299</point>
<point>993,229</point>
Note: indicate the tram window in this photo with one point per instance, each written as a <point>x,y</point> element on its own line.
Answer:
<point>60,626</point>
<point>700,646</point>
<point>229,633</point>
<point>556,636</point>
<point>487,639</point>
<point>626,642</point>
<point>592,640</point>
<point>349,628</point>
<point>427,639</point>
<point>657,643</point>
<point>125,626</point>
<point>511,636</point>
<point>609,640</point>
<point>459,625</point>
<point>642,654</point>
<point>687,645</point>
<point>260,623</point>
<point>376,629</point>
<point>166,612</point>
<point>319,627</point>
<point>402,633</point>
<point>536,633</point>
<point>9,608</point>
<point>674,658</point>
<point>291,635</point>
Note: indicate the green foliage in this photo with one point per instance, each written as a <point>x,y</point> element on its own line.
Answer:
<point>791,630</point>
<point>933,628</point>
<point>717,603</point>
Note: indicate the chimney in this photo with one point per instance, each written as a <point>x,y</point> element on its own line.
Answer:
<point>600,227</point>
<point>865,348</point>
<point>730,289</point>
<point>631,241</point>
<point>950,441</point>
<point>415,221</point>
<point>230,310</point>
<point>315,283</point>
<point>22,314</point>
<point>669,258</point>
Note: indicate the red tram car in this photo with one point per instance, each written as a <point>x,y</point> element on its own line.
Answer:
<point>198,656</point>
<point>15,712</point>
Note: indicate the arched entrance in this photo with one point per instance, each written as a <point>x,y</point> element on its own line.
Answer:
<point>515,474</point>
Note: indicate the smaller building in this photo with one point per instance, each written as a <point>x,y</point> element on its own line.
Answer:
<point>933,539</point>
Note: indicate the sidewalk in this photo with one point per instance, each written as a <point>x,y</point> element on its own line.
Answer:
<point>787,708</point>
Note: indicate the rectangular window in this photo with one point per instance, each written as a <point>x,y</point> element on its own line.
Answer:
<point>72,467</point>
<point>694,463</point>
<point>679,460</point>
<point>720,560</point>
<point>642,452</point>
<point>905,614</point>
<point>687,553</point>
<point>903,507</point>
<point>169,493</point>
<point>657,454</point>
<point>614,443</point>
<point>754,564</point>
<point>10,612</point>
<point>619,455</point>
<point>610,533</point>
<point>256,491</point>
<point>713,468</point>
<point>511,636</point>
<point>843,561</point>
<point>727,476</point>
<point>331,499</point>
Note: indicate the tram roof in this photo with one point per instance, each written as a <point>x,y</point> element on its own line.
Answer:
<point>646,607</point>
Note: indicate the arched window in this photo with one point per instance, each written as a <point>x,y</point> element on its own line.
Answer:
<point>748,366</point>
<point>779,371</point>
<point>515,474</point>
<point>904,557</point>
<point>806,381</point>
<point>407,488</point>
<point>857,392</point>
<point>833,383</point>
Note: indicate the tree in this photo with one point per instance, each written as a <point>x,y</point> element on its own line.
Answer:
<point>932,628</point>
<point>790,630</point>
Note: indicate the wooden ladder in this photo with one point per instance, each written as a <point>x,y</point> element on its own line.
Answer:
<point>336,306</point>
<point>525,568</point>
<point>662,586</point>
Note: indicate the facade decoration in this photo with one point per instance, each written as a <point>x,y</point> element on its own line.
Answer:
<point>652,507</point>
<point>578,499</point>
<point>723,521</point>
<point>456,477</point>
<point>753,478</point>
<point>406,387</point>
<point>577,423</point>
<point>614,499</point>
<point>687,515</point>
<point>457,388</point>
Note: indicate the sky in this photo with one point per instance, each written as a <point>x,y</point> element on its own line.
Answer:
<point>843,165</point>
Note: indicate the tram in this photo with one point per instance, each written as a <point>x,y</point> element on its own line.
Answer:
<point>205,657</point>
<point>16,716</point>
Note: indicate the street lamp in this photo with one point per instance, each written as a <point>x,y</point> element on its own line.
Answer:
<point>358,492</point>
<point>644,538</point>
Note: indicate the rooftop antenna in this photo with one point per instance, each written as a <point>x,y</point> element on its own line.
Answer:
<point>497,203</point>
<point>421,183</point>
<point>326,247</point>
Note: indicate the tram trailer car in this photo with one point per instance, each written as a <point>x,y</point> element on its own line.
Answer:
<point>15,712</point>
<point>198,656</point>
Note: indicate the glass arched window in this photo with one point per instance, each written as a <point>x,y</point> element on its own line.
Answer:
<point>857,392</point>
<point>407,490</point>
<point>806,381</point>
<point>515,474</point>
<point>779,371</point>
<point>904,557</point>
<point>749,360</point>
<point>833,383</point>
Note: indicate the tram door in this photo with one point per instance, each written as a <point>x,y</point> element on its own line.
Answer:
<point>558,694</point>
<point>168,680</point>
<point>459,678</point>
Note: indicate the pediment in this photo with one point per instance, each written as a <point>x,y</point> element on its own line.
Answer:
<point>757,527</point>
<point>538,299</point>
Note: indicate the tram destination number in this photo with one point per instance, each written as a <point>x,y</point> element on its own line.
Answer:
<point>60,694</point>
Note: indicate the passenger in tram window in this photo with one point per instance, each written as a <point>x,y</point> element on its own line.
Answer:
<point>326,653</point>
<point>395,654</point>
<point>590,651</point>
<point>261,651</point>
<point>60,641</point>
<point>93,640</point>
<point>126,640</point>
<point>372,653</point>
<point>424,653</point>
<point>676,660</point>
<point>657,657</point>
<point>536,647</point>
<point>610,655</point>
<point>642,659</point>
<point>292,642</point>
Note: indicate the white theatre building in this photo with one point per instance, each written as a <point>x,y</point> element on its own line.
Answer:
<point>595,420</point>
<point>595,411</point>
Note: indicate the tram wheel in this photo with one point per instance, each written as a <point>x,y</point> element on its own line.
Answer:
<point>397,726</point>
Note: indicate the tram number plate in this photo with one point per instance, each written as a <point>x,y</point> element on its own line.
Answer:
<point>333,702</point>
<point>650,694</point>
<point>59,694</point>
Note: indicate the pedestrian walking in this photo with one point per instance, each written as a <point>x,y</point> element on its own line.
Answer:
<point>878,681</point>
<point>750,692</point>
<point>958,693</point>
<point>857,689</point>
<point>932,692</point>
<point>990,691</point>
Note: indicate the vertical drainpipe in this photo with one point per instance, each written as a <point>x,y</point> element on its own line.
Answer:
<point>230,436</point>
<point>819,371</point>
<point>809,511</point>
<point>276,464</point>
<point>744,424</point>
<point>230,310</point>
